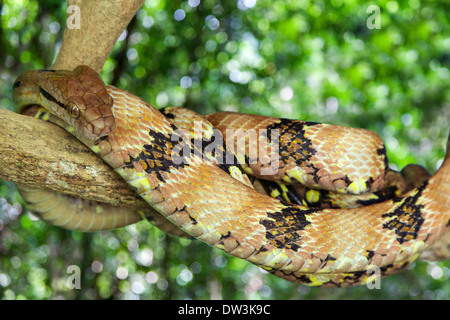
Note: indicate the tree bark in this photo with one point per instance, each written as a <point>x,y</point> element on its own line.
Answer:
<point>440,250</point>
<point>102,23</point>
<point>39,154</point>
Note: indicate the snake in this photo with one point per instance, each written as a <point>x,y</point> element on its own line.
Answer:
<point>196,186</point>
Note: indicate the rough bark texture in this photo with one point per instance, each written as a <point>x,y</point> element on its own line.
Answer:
<point>440,250</point>
<point>40,154</point>
<point>102,23</point>
<point>35,153</point>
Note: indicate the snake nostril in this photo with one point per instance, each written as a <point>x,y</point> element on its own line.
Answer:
<point>16,84</point>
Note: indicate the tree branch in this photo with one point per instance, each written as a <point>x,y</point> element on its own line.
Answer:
<point>102,23</point>
<point>440,250</point>
<point>39,154</point>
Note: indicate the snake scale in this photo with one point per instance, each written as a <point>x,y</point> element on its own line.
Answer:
<point>198,188</point>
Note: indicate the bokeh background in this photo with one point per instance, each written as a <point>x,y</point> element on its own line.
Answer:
<point>310,60</point>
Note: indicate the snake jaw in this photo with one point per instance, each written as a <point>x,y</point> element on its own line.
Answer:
<point>95,132</point>
<point>78,97</point>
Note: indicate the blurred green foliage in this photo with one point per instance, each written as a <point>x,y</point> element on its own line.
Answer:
<point>310,60</point>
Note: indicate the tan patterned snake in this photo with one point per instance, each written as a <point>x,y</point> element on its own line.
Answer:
<point>197,194</point>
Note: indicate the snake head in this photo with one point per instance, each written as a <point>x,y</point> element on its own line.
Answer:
<point>79,97</point>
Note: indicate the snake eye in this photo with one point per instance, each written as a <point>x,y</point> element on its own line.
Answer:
<point>73,110</point>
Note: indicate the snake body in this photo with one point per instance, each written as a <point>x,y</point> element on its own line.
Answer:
<point>314,246</point>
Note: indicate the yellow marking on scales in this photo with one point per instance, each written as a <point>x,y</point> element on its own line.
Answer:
<point>357,186</point>
<point>266,268</point>
<point>345,275</point>
<point>277,260</point>
<point>247,169</point>
<point>46,116</point>
<point>42,114</point>
<point>38,113</point>
<point>95,149</point>
<point>137,179</point>
<point>285,191</point>
<point>314,282</point>
<point>275,193</point>
<point>295,174</point>
<point>235,172</point>
<point>416,249</point>
<point>312,196</point>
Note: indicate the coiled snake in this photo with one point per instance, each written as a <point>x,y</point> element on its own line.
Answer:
<point>194,185</point>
